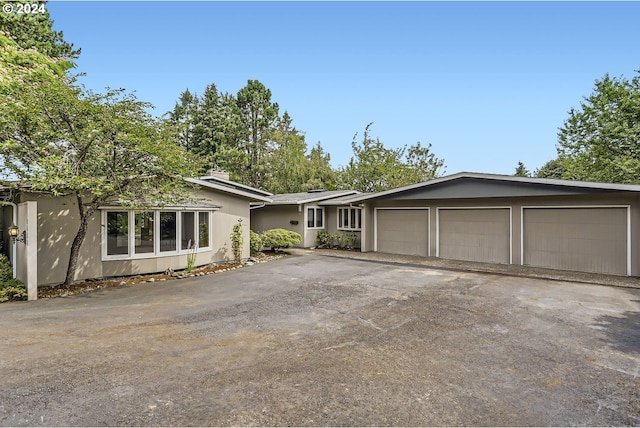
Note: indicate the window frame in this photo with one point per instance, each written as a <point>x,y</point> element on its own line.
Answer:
<point>156,253</point>
<point>342,211</point>
<point>315,209</point>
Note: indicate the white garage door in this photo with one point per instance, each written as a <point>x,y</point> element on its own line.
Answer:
<point>580,239</point>
<point>478,234</point>
<point>402,231</point>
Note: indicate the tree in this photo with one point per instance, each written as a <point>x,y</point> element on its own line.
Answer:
<point>600,141</point>
<point>58,138</point>
<point>34,30</point>
<point>551,169</point>
<point>521,170</point>
<point>320,174</point>
<point>258,116</point>
<point>374,168</point>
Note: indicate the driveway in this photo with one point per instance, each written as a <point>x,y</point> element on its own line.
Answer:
<point>316,340</point>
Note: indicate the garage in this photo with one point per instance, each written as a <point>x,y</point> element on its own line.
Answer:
<point>402,231</point>
<point>475,234</point>
<point>587,239</point>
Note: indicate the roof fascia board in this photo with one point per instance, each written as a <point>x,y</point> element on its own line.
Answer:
<point>236,184</point>
<point>228,190</point>
<point>507,178</point>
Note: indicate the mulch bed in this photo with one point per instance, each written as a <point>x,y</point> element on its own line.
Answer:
<point>48,292</point>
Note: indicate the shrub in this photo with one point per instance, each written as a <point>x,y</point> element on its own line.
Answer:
<point>324,238</point>
<point>280,238</point>
<point>237,241</point>
<point>12,289</point>
<point>346,240</point>
<point>6,271</point>
<point>255,243</point>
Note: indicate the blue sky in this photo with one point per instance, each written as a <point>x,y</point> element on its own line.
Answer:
<point>486,83</point>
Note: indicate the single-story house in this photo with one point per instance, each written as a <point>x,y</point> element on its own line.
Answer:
<point>559,224</point>
<point>122,241</point>
<point>305,213</point>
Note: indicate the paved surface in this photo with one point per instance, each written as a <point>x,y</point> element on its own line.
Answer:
<point>316,340</point>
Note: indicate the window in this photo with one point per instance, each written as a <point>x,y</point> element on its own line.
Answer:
<point>144,232</point>
<point>117,233</point>
<point>140,234</point>
<point>203,227</point>
<point>168,231</point>
<point>315,218</point>
<point>188,231</point>
<point>349,218</point>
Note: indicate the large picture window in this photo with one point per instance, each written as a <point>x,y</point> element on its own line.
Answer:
<point>349,218</point>
<point>139,234</point>
<point>315,218</point>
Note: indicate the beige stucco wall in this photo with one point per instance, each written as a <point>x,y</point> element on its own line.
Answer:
<point>58,222</point>
<point>278,217</point>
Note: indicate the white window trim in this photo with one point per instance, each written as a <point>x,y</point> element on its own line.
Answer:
<point>306,219</point>
<point>156,230</point>
<point>350,229</point>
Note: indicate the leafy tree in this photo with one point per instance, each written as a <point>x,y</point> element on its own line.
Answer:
<point>183,118</point>
<point>288,165</point>
<point>375,168</point>
<point>600,141</point>
<point>34,30</point>
<point>96,148</point>
<point>552,169</point>
<point>521,170</point>
<point>319,171</point>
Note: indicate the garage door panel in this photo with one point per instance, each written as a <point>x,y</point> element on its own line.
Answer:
<point>580,239</point>
<point>481,235</point>
<point>403,231</point>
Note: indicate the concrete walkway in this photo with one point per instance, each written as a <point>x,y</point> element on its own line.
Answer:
<point>500,269</point>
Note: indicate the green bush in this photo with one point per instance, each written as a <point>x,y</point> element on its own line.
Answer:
<point>346,240</point>
<point>12,289</point>
<point>237,241</point>
<point>6,271</point>
<point>324,238</point>
<point>255,243</point>
<point>280,238</point>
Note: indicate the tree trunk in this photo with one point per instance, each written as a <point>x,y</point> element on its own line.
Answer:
<point>77,241</point>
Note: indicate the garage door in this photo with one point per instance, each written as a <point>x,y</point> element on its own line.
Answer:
<point>580,239</point>
<point>402,231</point>
<point>481,235</point>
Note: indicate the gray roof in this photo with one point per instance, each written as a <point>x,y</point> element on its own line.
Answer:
<point>343,200</point>
<point>308,197</point>
<point>496,178</point>
<point>235,185</point>
<point>242,192</point>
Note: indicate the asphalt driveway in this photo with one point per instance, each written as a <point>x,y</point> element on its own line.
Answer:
<point>316,340</point>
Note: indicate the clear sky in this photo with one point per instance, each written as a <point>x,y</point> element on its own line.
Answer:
<point>486,83</point>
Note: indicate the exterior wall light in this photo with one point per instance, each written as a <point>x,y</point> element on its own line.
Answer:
<point>15,234</point>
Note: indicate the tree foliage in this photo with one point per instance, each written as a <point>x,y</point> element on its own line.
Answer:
<point>374,167</point>
<point>521,170</point>
<point>600,141</point>
<point>34,31</point>
<point>245,136</point>
<point>58,138</point>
